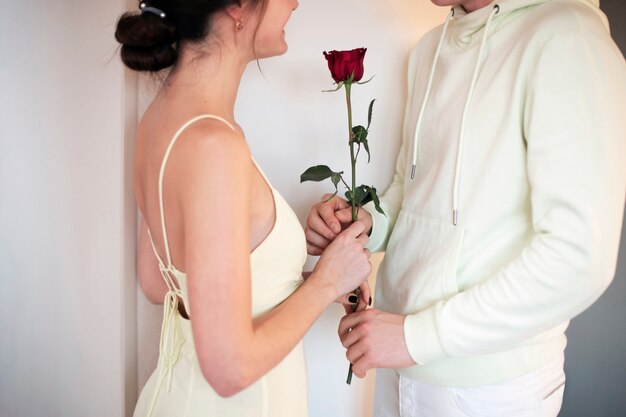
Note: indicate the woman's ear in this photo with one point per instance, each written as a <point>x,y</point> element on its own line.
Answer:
<point>236,12</point>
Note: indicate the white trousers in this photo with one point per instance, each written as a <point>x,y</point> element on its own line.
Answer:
<point>537,394</point>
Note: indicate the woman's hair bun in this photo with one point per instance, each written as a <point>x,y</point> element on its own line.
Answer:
<point>147,41</point>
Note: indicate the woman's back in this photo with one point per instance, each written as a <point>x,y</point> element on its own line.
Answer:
<point>177,385</point>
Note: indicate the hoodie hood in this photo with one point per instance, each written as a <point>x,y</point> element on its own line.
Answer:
<point>466,27</point>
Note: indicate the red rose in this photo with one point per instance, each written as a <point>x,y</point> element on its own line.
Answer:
<point>343,64</point>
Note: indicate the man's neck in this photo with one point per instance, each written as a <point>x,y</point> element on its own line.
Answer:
<point>472,5</point>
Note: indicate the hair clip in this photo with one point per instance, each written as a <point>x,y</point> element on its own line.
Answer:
<point>147,9</point>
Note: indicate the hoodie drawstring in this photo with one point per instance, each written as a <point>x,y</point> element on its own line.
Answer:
<point>428,88</point>
<point>457,173</point>
<point>459,156</point>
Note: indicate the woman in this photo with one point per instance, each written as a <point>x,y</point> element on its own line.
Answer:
<point>233,321</point>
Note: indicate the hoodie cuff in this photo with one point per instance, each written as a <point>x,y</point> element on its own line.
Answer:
<point>422,338</point>
<point>380,224</point>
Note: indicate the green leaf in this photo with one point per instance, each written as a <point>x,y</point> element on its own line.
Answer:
<point>360,136</point>
<point>365,82</point>
<point>360,196</point>
<point>364,194</point>
<point>374,197</point>
<point>369,114</point>
<point>317,173</point>
<point>339,85</point>
<point>335,178</point>
<point>320,173</point>
<point>367,149</point>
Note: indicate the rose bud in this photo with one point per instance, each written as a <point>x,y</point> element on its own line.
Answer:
<point>343,64</point>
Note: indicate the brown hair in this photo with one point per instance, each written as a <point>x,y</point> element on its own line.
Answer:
<point>151,42</point>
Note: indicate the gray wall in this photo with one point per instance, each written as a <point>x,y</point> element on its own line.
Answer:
<point>595,359</point>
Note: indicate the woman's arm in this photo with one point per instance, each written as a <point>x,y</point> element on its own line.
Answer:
<point>213,188</point>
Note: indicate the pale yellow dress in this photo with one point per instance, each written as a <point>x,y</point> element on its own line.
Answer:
<point>177,387</point>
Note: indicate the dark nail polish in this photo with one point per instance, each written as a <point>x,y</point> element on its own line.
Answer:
<point>353,299</point>
<point>369,303</point>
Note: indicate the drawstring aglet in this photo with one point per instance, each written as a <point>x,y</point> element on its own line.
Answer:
<point>455,217</point>
<point>413,172</point>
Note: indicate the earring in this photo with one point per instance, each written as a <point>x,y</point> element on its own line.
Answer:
<point>239,25</point>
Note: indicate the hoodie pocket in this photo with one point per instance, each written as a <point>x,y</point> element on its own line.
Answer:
<point>420,265</point>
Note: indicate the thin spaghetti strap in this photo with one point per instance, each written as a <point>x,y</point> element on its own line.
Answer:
<point>162,172</point>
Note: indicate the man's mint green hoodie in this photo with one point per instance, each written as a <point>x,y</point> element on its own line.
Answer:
<point>515,133</point>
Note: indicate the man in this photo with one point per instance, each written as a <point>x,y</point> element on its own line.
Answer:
<point>503,218</point>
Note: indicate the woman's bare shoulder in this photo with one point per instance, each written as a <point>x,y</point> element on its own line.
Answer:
<point>210,145</point>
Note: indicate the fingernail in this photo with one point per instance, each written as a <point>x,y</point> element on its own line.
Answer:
<point>353,299</point>
<point>369,303</point>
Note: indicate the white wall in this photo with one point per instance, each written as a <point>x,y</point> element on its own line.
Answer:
<point>67,326</point>
<point>291,125</point>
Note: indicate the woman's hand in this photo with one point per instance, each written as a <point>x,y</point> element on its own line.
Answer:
<point>345,263</point>
<point>327,219</point>
<point>362,302</point>
<point>348,300</point>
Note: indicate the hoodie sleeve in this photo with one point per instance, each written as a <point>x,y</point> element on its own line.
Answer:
<point>391,200</point>
<point>575,128</point>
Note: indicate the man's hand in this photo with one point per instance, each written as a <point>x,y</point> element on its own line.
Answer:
<point>327,219</point>
<point>374,339</point>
